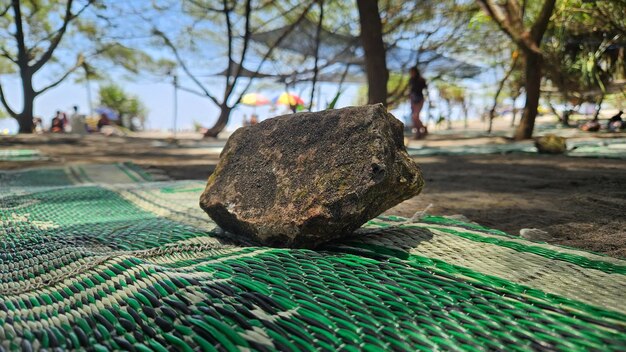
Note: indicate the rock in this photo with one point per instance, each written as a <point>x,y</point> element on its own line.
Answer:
<point>551,144</point>
<point>303,179</point>
<point>535,235</point>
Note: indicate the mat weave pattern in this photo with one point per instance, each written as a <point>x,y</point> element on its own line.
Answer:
<point>20,155</point>
<point>609,148</point>
<point>98,257</point>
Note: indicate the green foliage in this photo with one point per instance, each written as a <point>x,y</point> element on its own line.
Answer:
<point>583,49</point>
<point>397,86</point>
<point>48,41</point>
<point>6,67</point>
<point>126,105</point>
<point>450,91</point>
<point>333,102</point>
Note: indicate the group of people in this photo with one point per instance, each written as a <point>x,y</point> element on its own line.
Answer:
<point>62,124</point>
<point>614,124</point>
<point>254,119</point>
<point>75,123</point>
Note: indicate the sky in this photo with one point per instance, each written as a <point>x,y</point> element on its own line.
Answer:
<point>158,97</point>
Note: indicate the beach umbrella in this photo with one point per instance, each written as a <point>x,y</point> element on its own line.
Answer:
<point>254,99</point>
<point>110,113</point>
<point>288,99</point>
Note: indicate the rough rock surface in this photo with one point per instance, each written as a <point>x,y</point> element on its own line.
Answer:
<point>303,179</point>
<point>551,144</point>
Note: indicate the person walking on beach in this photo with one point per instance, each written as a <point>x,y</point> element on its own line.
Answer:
<point>417,85</point>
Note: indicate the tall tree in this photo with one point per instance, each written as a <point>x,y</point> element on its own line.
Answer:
<point>35,36</point>
<point>237,18</point>
<point>375,52</point>
<point>126,105</point>
<point>585,56</point>
<point>510,16</point>
<point>49,40</point>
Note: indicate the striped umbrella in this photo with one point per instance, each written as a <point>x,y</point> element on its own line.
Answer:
<point>288,99</point>
<point>254,99</point>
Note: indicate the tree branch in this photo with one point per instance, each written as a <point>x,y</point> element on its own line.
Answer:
<point>492,112</point>
<point>246,42</point>
<point>7,55</point>
<point>318,32</point>
<point>271,49</point>
<point>54,43</point>
<point>282,14</point>
<point>495,12</point>
<point>541,22</point>
<point>513,13</point>
<point>205,7</point>
<point>521,37</point>
<point>5,11</point>
<point>189,90</point>
<point>6,104</point>
<point>185,68</point>
<point>79,63</point>
<point>22,58</point>
<point>229,34</point>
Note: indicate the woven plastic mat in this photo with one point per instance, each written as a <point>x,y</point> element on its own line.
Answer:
<point>21,155</point>
<point>99,258</point>
<point>609,148</point>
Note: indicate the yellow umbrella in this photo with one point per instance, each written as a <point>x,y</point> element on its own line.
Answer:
<point>254,99</point>
<point>289,100</point>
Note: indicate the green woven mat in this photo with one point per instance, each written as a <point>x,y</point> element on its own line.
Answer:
<point>473,150</point>
<point>96,257</point>
<point>614,148</point>
<point>20,155</point>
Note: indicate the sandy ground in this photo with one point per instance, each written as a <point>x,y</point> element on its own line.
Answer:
<point>579,202</point>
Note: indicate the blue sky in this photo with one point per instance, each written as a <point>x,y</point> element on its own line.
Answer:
<point>158,98</point>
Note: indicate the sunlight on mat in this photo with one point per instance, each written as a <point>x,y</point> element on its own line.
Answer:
<point>21,155</point>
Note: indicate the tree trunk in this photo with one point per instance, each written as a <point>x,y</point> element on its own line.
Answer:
<point>375,53</point>
<point>25,118</point>
<point>514,112</point>
<point>25,121</point>
<point>513,116</point>
<point>222,120</point>
<point>532,69</point>
<point>465,114</point>
<point>318,32</point>
<point>449,114</point>
<point>565,120</point>
<point>596,115</point>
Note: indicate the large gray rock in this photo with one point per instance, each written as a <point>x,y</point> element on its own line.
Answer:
<point>303,179</point>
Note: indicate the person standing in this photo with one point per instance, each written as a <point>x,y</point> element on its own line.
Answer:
<point>64,121</point>
<point>417,84</point>
<point>77,122</point>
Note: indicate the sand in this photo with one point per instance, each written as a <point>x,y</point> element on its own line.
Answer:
<point>579,202</point>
